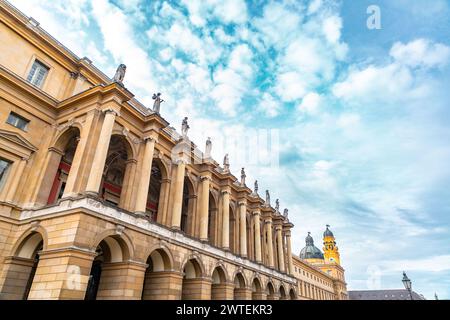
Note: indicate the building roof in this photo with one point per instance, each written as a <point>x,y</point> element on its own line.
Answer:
<point>393,294</point>
<point>310,251</point>
<point>328,232</point>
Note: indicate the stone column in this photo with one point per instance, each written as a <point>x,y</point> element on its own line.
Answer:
<point>145,174</point>
<point>268,224</point>
<point>280,250</point>
<point>14,179</point>
<point>243,228</point>
<point>226,219</point>
<point>98,164</point>
<point>178,195</point>
<point>257,223</point>
<point>204,207</point>
<point>289,252</point>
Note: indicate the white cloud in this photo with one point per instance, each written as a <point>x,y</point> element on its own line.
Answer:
<point>332,28</point>
<point>233,81</point>
<point>421,53</point>
<point>290,86</point>
<point>118,37</point>
<point>269,105</point>
<point>310,103</point>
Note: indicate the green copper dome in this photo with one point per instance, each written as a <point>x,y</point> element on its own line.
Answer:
<point>310,251</point>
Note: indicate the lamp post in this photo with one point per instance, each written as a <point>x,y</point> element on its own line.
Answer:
<point>407,284</point>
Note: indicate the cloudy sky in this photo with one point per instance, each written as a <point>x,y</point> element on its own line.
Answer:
<point>348,126</point>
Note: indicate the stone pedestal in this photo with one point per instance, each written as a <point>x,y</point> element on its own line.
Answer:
<point>162,285</point>
<point>242,294</point>
<point>196,289</point>
<point>222,291</point>
<point>61,275</point>
<point>16,274</point>
<point>121,281</point>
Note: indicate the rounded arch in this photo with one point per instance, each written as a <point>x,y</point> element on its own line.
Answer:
<point>119,246</point>
<point>292,294</point>
<point>219,275</point>
<point>257,292</point>
<point>22,240</point>
<point>28,247</point>
<point>282,292</point>
<point>165,253</point>
<point>62,139</point>
<point>190,184</point>
<point>270,290</point>
<point>159,260</point>
<point>187,211</point>
<point>162,167</point>
<point>239,280</point>
<point>129,145</point>
<point>193,267</point>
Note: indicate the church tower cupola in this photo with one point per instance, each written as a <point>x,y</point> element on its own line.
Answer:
<point>330,250</point>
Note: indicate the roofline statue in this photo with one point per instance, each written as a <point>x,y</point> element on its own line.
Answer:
<point>120,74</point>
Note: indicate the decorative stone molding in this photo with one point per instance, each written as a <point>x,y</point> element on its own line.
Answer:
<point>35,225</point>
<point>119,229</point>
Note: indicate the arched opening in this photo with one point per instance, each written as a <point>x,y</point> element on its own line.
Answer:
<point>154,190</point>
<point>20,270</point>
<point>257,293</point>
<point>102,278</point>
<point>234,231</point>
<point>156,281</point>
<point>187,209</point>
<point>283,295</point>
<point>292,294</point>
<point>250,238</point>
<point>270,291</point>
<point>191,287</point>
<point>212,220</point>
<point>119,152</point>
<point>239,292</point>
<point>218,284</point>
<point>67,145</point>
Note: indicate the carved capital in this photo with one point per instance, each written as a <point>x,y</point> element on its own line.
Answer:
<point>205,178</point>
<point>110,111</point>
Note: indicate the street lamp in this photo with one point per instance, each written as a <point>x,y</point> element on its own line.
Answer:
<point>407,284</point>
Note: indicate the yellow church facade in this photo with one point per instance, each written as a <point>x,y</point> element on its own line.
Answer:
<point>101,199</point>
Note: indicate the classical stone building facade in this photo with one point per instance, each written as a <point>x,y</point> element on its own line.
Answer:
<point>101,199</point>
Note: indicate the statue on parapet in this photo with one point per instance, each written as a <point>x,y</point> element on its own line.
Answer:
<point>157,103</point>
<point>243,176</point>
<point>208,148</point>
<point>184,127</point>
<point>120,74</point>
<point>267,198</point>
<point>226,163</point>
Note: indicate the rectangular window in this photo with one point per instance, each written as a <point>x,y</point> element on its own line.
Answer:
<point>17,121</point>
<point>4,168</point>
<point>38,73</point>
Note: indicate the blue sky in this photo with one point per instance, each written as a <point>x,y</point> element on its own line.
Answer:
<point>360,117</point>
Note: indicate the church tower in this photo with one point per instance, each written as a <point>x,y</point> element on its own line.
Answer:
<point>330,250</point>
